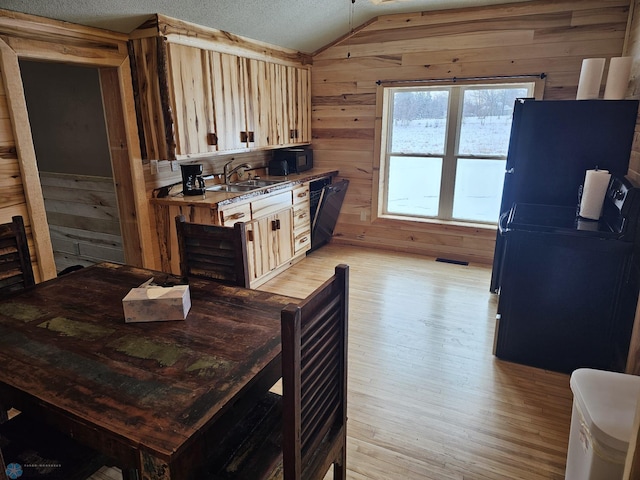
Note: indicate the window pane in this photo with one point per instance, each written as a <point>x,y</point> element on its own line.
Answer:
<point>486,120</point>
<point>419,121</point>
<point>478,189</point>
<point>414,186</point>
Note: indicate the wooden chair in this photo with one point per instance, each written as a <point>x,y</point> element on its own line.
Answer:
<point>16,272</point>
<point>41,452</point>
<point>302,435</point>
<point>214,252</point>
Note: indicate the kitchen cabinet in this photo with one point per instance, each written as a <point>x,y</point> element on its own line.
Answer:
<point>274,237</point>
<point>269,243</point>
<point>269,235</point>
<point>301,218</point>
<point>193,100</point>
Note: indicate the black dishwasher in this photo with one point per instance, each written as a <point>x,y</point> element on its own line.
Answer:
<point>325,215</point>
<point>570,286</point>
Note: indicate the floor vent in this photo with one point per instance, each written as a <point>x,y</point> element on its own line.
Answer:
<point>448,260</point>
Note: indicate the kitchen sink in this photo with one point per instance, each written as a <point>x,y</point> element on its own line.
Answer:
<point>231,188</point>
<point>245,186</point>
<point>258,183</point>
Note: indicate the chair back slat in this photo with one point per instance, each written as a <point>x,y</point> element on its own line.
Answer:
<point>212,251</point>
<point>16,272</point>
<point>314,357</point>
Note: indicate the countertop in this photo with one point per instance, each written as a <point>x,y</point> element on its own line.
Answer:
<point>227,198</point>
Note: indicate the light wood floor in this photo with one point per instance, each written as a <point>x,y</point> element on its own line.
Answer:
<point>427,399</point>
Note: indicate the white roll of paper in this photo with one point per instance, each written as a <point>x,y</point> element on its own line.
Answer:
<point>590,78</point>
<point>618,78</point>
<point>593,192</point>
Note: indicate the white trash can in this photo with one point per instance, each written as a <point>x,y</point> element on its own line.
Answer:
<point>604,408</point>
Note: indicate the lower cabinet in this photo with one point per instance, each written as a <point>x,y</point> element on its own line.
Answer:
<point>269,243</point>
<point>277,225</point>
<point>301,219</point>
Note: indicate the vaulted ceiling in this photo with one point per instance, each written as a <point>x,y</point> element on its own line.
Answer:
<point>304,25</point>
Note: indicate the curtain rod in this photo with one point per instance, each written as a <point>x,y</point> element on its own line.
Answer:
<point>457,79</point>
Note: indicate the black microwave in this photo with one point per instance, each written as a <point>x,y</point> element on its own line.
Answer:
<point>291,160</point>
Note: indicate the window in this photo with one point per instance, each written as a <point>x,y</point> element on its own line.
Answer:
<point>445,150</point>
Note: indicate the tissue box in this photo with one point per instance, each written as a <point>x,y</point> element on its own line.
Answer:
<point>156,304</point>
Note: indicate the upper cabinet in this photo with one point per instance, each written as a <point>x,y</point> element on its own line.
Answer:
<point>200,91</point>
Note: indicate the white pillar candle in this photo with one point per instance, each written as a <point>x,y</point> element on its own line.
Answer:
<point>590,78</point>
<point>618,78</point>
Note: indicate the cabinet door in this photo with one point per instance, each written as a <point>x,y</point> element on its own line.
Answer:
<point>228,86</point>
<point>258,103</point>
<point>257,232</point>
<point>280,238</point>
<point>277,103</point>
<point>269,243</point>
<point>190,92</point>
<point>296,101</point>
<point>275,106</point>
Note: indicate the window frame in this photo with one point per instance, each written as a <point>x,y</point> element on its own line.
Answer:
<point>449,157</point>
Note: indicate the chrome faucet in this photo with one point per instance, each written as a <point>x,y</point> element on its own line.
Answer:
<point>227,173</point>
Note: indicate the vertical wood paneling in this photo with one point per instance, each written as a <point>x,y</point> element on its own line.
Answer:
<point>18,140</point>
<point>516,39</point>
<point>149,96</point>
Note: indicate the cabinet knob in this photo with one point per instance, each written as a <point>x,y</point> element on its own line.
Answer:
<point>249,235</point>
<point>302,194</point>
<point>212,138</point>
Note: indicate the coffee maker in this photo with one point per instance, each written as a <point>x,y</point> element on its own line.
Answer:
<point>192,181</point>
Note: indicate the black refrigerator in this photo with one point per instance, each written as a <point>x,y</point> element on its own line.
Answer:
<point>552,145</point>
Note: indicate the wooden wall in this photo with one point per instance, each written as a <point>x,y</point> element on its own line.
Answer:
<point>83,219</point>
<point>524,38</point>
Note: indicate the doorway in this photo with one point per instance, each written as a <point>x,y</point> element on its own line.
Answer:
<point>67,118</point>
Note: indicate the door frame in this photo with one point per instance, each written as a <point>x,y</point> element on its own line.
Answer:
<point>122,131</point>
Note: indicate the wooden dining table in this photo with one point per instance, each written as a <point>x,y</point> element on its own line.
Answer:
<point>154,396</point>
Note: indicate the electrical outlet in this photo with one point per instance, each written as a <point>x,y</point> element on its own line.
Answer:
<point>363,215</point>
<point>154,167</point>
<point>174,165</point>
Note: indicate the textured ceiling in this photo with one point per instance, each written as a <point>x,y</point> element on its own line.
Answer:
<point>304,25</point>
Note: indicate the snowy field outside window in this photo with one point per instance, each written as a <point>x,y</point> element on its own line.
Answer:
<point>446,151</point>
